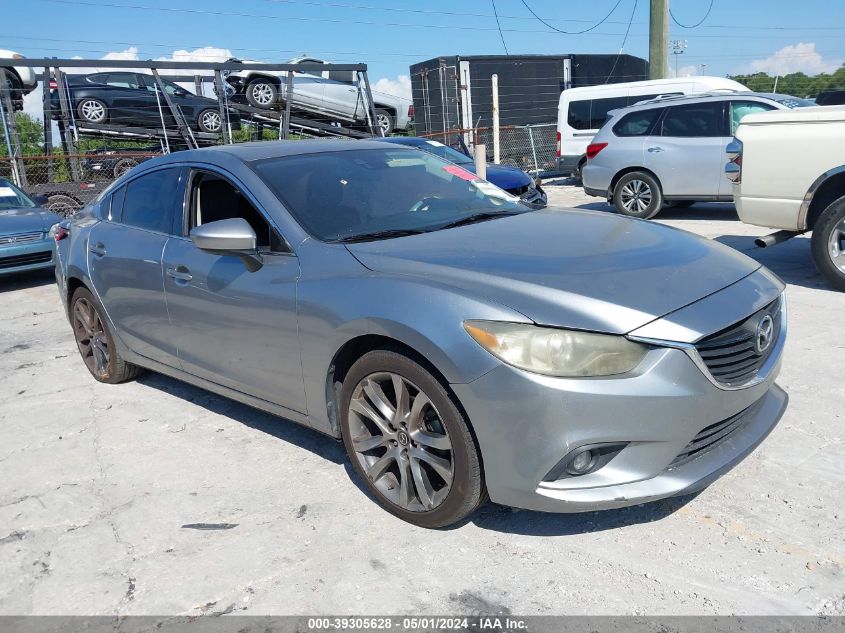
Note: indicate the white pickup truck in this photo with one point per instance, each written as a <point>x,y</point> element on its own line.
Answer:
<point>329,93</point>
<point>788,170</point>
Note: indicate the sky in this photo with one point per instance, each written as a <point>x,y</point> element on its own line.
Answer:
<point>737,36</point>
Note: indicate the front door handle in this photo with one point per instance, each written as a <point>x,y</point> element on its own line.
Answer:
<point>98,249</point>
<point>180,273</point>
<point>655,149</point>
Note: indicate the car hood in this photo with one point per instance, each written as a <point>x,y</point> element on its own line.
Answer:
<point>567,268</point>
<point>506,177</point>
<point>14,221</point>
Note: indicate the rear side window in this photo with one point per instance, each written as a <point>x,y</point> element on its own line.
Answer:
<point>578,116</point>
<point>154,202</point>
<point>740,108</point>
<point>695,120</point>
<point>637,123</point>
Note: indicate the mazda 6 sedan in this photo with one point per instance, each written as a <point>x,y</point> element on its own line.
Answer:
<point>461,345</point>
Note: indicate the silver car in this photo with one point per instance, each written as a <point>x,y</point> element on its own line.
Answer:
<point>669,150</point>
<point>460,344</point>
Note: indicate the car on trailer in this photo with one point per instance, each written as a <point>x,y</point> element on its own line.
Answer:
<point>133,99</point>
<point>20,80</point>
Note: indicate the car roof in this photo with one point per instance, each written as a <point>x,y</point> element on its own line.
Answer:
<point>702,96</point>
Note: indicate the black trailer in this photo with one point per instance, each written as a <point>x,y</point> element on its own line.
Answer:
<point>455,91</point>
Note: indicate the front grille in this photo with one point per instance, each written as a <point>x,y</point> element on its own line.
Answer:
<point>711,436</point>
<point>732,355</point>
<point>25,260</point>
<point>20,238</point>
<point>518,191</point>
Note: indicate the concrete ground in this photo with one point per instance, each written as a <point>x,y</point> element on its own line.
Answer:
<point>104,491</point>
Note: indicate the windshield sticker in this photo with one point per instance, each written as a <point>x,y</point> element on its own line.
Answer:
<point>7,192</point>
<point>460,172</point>
<point>493,191</point>
<point>435,143</point>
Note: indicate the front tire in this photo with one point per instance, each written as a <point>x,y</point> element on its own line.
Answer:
<point>828,243</point>
<point>262,93</point>
<point>409,442</point>
<point>95,341</point>
<point>638,195</point>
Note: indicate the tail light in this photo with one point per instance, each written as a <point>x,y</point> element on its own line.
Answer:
<point>593,149</point>
<point>53,85</point>
<point>557,147</point>
<point>733,170</point>
<point>410,112</point>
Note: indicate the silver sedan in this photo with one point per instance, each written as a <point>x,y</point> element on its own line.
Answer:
<point>460,344</point>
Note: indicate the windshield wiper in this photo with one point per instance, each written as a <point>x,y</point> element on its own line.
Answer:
<point>379,235</point>
<point>479,217</point>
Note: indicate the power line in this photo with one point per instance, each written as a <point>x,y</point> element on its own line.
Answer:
<point>499,26</point>
<point>598,24</point>
<point>691,26</point>
<point>624,39</point>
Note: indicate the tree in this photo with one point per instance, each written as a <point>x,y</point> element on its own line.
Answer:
<point>797,84</point>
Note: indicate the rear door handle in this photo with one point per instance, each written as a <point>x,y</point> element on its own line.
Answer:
<point>655,149</point>
<point>98,249</point>
<point>180,272</point>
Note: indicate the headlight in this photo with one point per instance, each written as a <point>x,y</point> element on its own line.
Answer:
<point>556,352</point>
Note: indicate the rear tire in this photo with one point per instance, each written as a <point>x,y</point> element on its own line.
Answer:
<point>638,195</point>
<point>421,464</point>
<point>92,110</point>
<point>828,243</point>
<point>209,121</point>
<point>95,342</point>
<point>122,166</point>
<point>385,121</point>
<point>262,93</point>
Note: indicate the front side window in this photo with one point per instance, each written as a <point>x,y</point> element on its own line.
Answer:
<point>13,198</point>
<point>695,120</point>
<point>214,198</point>
<point>154,202</point>
<point>352,194</point>
<point>637,123</point>
<point>741,108</point>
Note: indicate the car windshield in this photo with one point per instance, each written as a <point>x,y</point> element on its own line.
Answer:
<point>13,198</point>
<point>375,193</point>
<point>444,151</point>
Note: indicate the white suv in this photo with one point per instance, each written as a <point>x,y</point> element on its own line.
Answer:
<point>329,93</point>
<point>788,173</point>
<point>669,150</point>
<point>21,80</point>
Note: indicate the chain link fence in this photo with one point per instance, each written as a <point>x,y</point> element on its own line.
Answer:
<point>531,148</point>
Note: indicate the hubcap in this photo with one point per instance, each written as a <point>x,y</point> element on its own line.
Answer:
<point>211,121</point>
<point>262,93</point>
<point>836,245</point>
<point>401,442</point>
<point>636,196</point>
<point>91,337</point>
<point>93,111</point>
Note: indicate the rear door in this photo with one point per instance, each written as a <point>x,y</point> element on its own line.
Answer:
<point>124,260</point>
<point>687,149</point>
<point>130,103</point>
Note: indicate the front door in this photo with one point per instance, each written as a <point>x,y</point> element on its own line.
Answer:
<point>124,260</point>
<point>234,327</point>
<point>687,150</point>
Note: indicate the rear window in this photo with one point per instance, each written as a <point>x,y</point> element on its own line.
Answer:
<point>637,123</point>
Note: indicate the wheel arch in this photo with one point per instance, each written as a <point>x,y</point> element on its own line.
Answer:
<point>824,190</point>
<point>391,110</point>
<point>265,77</point>
<point>627,170</point>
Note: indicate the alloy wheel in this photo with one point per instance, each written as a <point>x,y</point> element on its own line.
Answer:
<point>211,120</point>
<point>636,196</point>
<point>91,337</point>
<point>262,93</point>
<point>383,122</point>
<point>400,442</point>
<point>836,245</point>
<point>92,111</point>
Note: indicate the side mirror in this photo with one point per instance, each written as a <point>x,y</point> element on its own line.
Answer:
<point>233,236</point>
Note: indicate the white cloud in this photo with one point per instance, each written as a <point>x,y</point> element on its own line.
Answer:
<point>683,71</point>
<point>399,87</point>
<point>801,57</point>
<point>204,54</point>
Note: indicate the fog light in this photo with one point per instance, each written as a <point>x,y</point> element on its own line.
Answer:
<point>581,463</point>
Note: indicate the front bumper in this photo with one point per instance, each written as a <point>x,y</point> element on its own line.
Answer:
<point>526,423</point>
<point>25,257</point>
<point>535,197</point>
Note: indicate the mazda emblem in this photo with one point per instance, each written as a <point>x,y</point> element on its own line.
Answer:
<point>763,337</point>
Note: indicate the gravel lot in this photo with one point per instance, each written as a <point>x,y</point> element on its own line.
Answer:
<point>100,486</point>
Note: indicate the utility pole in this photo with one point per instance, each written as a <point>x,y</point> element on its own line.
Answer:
<point>658,40</point>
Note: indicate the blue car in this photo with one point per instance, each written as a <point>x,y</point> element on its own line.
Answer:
<point>25,243</point>
<point>515,181</point>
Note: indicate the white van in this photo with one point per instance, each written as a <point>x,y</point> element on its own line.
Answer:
<point>582,111</point>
